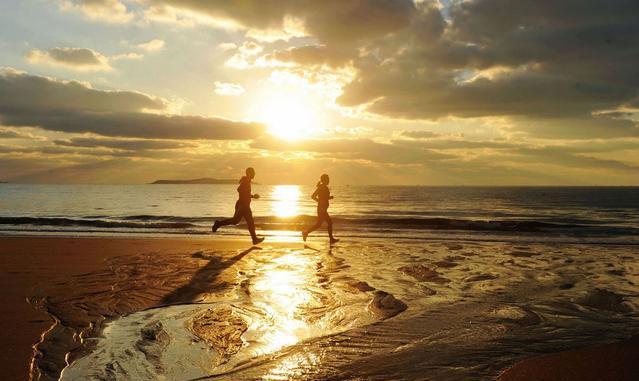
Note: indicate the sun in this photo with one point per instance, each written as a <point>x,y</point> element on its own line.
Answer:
<point>288,116</point>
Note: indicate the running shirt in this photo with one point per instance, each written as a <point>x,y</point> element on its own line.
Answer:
<point>244,191</point>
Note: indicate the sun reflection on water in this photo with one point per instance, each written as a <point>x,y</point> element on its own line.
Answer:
<point>285,200</point>
<point>283,290</point>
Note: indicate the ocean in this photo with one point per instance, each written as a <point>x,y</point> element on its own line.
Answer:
<point>584,214</point>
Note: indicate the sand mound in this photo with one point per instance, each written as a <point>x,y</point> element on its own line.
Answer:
<point>153,341</point>
<point>517,315</point>
<point>221,329</point>
<point>605,300</point>
<point>385,305</point>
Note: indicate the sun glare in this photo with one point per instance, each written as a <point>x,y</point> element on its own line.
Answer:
<point>285,200</point>
<point>288,117</point>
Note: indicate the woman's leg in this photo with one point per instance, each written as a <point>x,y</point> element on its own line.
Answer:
<point>320,220</point>
<point>329,222</point>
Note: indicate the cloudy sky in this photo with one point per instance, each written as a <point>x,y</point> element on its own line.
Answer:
<point>473,92</point>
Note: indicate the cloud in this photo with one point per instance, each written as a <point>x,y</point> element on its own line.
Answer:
<point>227,46</point>
<point>228,89</point>
<point>22,91</point>
<point>127,56</point>
<point>74,107</point>
<point>355,149</point>
<point>123,144</point>
<point>9,133</point>
<point>315,55</point>
<point>81,59</point>
<point>419,134</point>
<point>339,22</point>
<point>564,61</point>
<point>112,11</point>
<point>152,46</point>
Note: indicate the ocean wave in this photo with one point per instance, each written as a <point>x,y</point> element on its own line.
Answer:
<point>190,224</point>
<point>100,223</point>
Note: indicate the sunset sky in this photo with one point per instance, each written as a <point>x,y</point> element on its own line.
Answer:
<point>483,92</point>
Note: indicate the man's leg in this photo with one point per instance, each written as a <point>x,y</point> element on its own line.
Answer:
<point>230,221</point>
<point>250,224</point>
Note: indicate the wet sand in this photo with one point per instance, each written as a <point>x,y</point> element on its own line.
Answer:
<point>391,310</point>
<point>616,361</point>
<point>37,268</point>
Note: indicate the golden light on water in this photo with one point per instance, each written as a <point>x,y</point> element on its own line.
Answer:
<point>285,200</point>
<point>283,288</point>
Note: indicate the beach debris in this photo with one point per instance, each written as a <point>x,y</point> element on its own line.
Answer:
<point>221,329</point>
<point>359,286</point>
<point>428,291</point>
<point>423,274</point>
<point>385,305</point>
<point>605,300</point>
<point>480,278</point>
<point>446,264</point>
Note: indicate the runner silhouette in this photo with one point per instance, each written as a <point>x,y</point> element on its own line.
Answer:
<point>321,195</point>
<point>243,207</point>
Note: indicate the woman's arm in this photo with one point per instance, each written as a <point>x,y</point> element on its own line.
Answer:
<point>315,195</point>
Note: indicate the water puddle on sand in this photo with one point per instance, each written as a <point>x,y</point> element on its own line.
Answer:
<point>280,299</point>
<point>373,309</point>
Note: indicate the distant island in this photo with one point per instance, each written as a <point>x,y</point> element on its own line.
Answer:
<point>204,180</point>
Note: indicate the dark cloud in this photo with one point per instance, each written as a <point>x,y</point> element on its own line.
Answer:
<point>11,134</point>
<point>74,107</point>
<point>136,125</point>
<point>420,134</point>
<point>502,58</point>
<point>22,91</point>
<point>331,21</point>
<point>75,58</point>
<point>123,144</point>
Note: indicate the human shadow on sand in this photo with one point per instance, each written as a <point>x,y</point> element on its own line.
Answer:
<point>205,279</point>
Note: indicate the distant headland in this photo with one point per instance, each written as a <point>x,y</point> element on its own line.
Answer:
<point>204,180</point>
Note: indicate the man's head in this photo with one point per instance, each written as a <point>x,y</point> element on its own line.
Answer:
<point>250,172</point>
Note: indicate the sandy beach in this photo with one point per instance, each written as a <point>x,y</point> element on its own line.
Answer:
<point>61,273</point>
<point>399,310</point>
